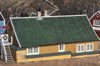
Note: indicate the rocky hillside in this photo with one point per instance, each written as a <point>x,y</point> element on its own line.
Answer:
<point>25,7</point>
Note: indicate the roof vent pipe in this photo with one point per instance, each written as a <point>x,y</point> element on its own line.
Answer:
<point>39,17</point>
<point>45,13</point>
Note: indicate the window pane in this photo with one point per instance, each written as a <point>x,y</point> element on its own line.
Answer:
<point>78,48</point>
<point>82,48</point>
<point>91,47</point>
<point>35,49</point>
<point>61,47</point>
<point>96,22</point>
<point>30,50</point>
<point>87,47</point>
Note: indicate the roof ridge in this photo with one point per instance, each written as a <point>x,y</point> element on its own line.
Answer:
<point>94,14</point>
<point>49,16</point>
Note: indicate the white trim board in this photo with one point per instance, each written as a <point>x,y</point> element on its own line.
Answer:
<point>96,28</point>
<point>59,48</point>
<point>48,16</point>
<point>94,15</point>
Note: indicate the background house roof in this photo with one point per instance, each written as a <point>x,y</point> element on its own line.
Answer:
<point>52,30</point>
<point>33,14</point>
<point>95,15</point>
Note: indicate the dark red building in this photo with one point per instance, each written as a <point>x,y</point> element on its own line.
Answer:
<point>95,21</point>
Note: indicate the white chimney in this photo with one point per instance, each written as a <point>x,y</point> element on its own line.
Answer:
<point>45,13</point>
<point>39,17</point>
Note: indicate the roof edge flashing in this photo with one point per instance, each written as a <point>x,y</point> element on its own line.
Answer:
<point>48,16</point>
<point>15,33</point>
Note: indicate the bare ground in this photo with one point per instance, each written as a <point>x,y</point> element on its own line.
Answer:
<point>90,61</point>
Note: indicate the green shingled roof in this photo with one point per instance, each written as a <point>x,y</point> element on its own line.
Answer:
<point>53,30</point>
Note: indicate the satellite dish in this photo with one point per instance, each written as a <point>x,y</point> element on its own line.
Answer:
<point>4,37</point>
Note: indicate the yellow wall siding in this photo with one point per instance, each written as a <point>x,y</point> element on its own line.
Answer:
<point>68,47</point>
<point>48,49</point>
<point>20,55</point>
<point>72,47</point>
<point>96,44</point>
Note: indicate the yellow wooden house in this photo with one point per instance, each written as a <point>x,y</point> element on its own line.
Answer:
<point>52,37</point>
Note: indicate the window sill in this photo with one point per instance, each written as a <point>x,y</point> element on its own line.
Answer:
<point>79,51</point>
<point>33,54</point>
<point>61,50</point>
<point>89,50</point>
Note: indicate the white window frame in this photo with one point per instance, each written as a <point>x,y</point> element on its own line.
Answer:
<point>32,52</point>
<point>94,22</point>
<point>89,47</point>
<point>80,49</point>
<point>28,51</point>
<point>63,47</point>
